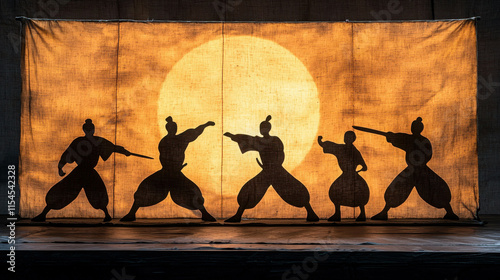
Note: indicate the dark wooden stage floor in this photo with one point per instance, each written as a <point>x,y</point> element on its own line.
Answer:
<point>188,249</point>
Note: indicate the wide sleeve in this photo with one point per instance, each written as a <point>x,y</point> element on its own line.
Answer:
<point>106,148</point>
<point>401,140</point>
<point>191,134</point>
<point>247,142</point>
<point>331,147</point>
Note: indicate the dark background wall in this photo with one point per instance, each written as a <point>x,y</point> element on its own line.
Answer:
<point>263,10</point>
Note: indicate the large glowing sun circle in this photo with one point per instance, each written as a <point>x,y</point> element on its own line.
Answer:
<point>236,82</point>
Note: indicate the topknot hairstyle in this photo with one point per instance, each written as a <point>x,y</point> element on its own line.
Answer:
<point>88,125</point>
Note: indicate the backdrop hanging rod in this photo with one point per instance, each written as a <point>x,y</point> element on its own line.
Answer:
<point>23,18</point>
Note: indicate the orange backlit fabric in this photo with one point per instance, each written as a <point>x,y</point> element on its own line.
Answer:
<point>314,79</point>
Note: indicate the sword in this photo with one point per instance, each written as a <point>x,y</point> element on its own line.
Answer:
<point>369,130</point>
<point>139,155</point>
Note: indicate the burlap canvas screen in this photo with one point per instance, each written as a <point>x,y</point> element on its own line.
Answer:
<point>317,78</point>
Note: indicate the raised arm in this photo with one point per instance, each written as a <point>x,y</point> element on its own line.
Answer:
<point>193,133</point>
<point>245,142</point>
<point>328,146</point>
<point>230,135</point>
<point>400,140</point>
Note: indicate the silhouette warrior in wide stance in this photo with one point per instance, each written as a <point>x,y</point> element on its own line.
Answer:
<point>350,189</point>
<point>170,178</point>
<point>85,151</point>
<point>270,149</point>
<point>432,188</point>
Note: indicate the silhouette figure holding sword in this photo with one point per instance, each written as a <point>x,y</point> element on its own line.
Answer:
<point>432,188</point>
<point>85,151</point>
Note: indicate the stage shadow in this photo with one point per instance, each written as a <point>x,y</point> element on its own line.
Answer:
<point>85,151</point>
<point>349,189</point>
<point>270,149</point>
<point>430,186</point>
<point>170,178</point>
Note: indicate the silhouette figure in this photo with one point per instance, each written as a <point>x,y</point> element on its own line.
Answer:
<point>432,188</point>
<point>270,149</point>
<point>170,178</point>
<point>85,151</point>
<point>350,189</point>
